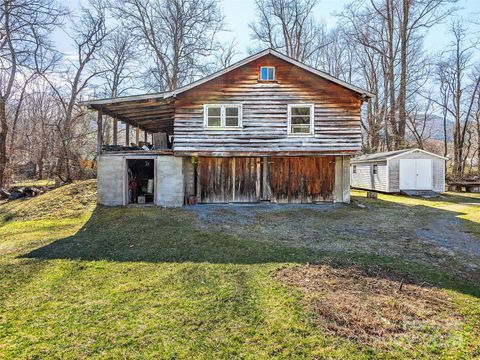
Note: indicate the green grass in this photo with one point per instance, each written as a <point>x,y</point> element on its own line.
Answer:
<point>80,281</point>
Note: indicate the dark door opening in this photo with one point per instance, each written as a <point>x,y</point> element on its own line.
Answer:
<point>141,184</point>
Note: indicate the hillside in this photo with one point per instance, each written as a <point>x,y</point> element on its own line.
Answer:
<point>66,201</point>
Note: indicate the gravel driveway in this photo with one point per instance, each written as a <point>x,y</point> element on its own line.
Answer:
<point>418,233</point>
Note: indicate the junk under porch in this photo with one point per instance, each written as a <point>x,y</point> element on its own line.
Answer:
<point>139,125</point>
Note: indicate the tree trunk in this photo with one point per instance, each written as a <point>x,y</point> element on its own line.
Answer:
<point>402,94</point>
<point>391,76</point>
<point>3,141</point>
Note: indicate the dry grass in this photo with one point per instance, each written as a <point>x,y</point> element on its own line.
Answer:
<point>60,203</point>
<point>370,304</point>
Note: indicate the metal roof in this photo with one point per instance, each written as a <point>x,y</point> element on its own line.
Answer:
<point>169,94</point>
<point>390,154</point>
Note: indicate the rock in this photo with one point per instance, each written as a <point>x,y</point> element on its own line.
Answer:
<point>361,206</point>
<point>372,195</point>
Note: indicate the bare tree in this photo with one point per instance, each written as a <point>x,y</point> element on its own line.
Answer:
<point>394,30</point>
<point>224,57</point>
<point>289,27</point>
<point>458,96</point>
<point>415,17</point>
<point>26,25</point>
<point>88,34</point>
<point>118,60</point>
<point>180,34</point>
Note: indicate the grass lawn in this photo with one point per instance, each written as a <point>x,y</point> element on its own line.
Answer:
<point>81,281</point>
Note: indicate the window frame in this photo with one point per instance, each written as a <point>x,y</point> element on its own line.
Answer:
<point>223,117</point>
<point>268,67</point>
<point>312,119</point>
<point>375,169</point>
<point>354,169</point>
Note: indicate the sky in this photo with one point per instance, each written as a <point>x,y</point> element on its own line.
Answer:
<point>239,13</point>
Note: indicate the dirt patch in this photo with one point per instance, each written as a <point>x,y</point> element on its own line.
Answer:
<point>371,304</point>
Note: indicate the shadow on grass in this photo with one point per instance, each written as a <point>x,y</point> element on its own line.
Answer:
<point>127,234</point>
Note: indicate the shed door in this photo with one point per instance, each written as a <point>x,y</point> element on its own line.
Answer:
<point>424,174</point>
<point>415,174</point>
<point>224,180</point>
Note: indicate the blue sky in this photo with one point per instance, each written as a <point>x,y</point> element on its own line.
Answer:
<point>239,13</point>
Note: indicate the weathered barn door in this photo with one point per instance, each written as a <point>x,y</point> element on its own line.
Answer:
<point>301,179</point>
<point>229,179</point>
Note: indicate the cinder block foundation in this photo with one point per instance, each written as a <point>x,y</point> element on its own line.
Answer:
<point>111,179</point>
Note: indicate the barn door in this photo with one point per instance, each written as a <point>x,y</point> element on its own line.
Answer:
<point>301,179</point>
<point>224,180</point>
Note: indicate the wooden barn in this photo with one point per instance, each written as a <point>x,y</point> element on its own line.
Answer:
<point>397,171</point>
<point>267,128</point>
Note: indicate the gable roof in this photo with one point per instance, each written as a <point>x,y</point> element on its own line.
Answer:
<point>169,94</point>
<point>391,155</point>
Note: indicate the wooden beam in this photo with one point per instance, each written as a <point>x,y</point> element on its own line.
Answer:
<point>115,131</point>
<point>146,136</point>
<point>127,134</point>
<point>137,135</point>
<point>99,132</point>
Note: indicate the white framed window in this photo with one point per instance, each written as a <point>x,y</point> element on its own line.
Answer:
<point>300,119</point>
<point>354,169</point>
<point>222,116</point>
<point>375,169</point>
<point>267,73</point>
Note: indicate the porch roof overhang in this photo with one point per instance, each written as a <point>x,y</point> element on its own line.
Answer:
<point>152,113</point>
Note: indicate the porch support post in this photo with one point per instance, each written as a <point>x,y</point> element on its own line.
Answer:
<point>146,136</point>
<point>99,131</point>
<point>137,135</point>
<point>127,134</point>
<point>115,131</point>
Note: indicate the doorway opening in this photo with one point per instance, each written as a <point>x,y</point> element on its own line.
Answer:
<point>141,184</point>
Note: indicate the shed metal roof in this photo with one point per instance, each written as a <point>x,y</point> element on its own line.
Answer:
<point>391,154</point>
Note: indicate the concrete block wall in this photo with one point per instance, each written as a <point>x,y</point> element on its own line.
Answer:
<point>170,182</point>
<point>110,176</point>
<point>169,185</point>
<point>342,179</point>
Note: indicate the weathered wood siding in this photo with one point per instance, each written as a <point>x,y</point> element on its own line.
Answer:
<point>364,178</point>
<point>290,179</point>
<point>264,130</point>
<point>301,179</point>
<point>224,179</point>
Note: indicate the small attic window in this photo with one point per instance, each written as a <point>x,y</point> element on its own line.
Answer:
<point>267,73</point>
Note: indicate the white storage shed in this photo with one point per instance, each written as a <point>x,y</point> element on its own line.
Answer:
<point>396,171</point>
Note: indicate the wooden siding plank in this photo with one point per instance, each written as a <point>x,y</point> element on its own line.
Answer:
<point>301,179</point>
<point>336,115</point>
<point>224,179</point>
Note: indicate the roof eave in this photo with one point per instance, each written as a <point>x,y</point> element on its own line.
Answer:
<point>365,95</point>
